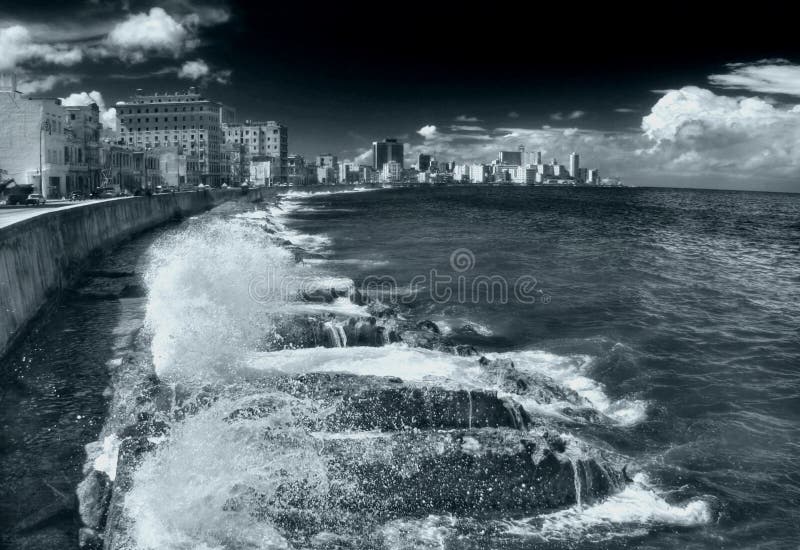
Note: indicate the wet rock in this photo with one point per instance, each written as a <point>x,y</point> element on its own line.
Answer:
<point>376,477</point>
<point>89,539</point>
<point>429,325</point>
<point>465,351</point>
<point>94,494</point>
<point>381,309</point>
<point>538,387</point>
<point>420,339</point>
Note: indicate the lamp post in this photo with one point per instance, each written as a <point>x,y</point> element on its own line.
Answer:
<point>44,126</point>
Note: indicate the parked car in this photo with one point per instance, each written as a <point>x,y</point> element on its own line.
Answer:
<point>35,199</point>
<point>75,196</point>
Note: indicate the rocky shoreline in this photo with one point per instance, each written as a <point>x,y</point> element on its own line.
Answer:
<point>391,448</point>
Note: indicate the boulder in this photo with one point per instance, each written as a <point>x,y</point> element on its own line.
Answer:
<point>94,493</point>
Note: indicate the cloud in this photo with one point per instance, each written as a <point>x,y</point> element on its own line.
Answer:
<point>513,114</point>
<point>464,128</point>
<point>155,32</point>
<point>624,110</point>
<point>194,70</point>
<point>33,85</point>
<point>108,117</point>
<point>428,132</point>
<point>574,115</point>
<point>18,46</point>
<point>768,76</point>
<point>465,118</point>
<point>695,130</point>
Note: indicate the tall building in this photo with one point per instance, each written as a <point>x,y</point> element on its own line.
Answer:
<point>537,157</point>
<point>511,158</point>
<point>423,162</point>
<point>391,172</point>
<point>388,150</point>
<point>260,139</point>
<point>574,165</point>
<point>185,120</point>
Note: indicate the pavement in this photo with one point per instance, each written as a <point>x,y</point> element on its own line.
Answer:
<point>13,214</point>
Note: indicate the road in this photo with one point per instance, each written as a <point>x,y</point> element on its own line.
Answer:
<point>14,214</point>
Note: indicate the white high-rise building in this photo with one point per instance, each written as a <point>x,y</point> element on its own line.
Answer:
<point>574,164</point>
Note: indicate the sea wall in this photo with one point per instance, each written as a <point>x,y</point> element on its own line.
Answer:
<point>43,254</point>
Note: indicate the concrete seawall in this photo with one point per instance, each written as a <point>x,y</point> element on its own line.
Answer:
<point>41,255</point>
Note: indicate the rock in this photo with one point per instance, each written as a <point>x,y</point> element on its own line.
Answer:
<point>381,309</point>
<point>420,339</point>
<point>429,325</point>
<point>384,476</point>
<point>89,539</point>
<point>133,291</point>
<point>94,493</point>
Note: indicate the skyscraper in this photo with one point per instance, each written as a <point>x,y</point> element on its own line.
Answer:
<point>423,162</point>
<point>574,164</point>
<point>386,151</point>
<point>511,158</point>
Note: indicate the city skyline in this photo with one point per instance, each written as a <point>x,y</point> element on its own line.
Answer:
<point>710,110</point>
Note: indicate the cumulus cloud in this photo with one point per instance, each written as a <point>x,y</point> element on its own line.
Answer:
<point>194,70</point>
<point>428,132</point>
<point>768,76</point>
<point>17,45</point>
<point>574,115</point>
<point>153,32</point>
<point>108,117</point>
<point>465,118</point>
<point>693,129</point>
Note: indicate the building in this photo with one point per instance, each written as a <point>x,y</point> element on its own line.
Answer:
<point>186,120</point>
<point>423,162</point>
<point>259,139</point>
<point>49,146</point>
<point>264,170</point>
<point>297,171</point>
<point>388,150</point>
<point>574,165</point>
<point>392,172</point>
<point>511,158</point>
<point>348,172</point>
<point>367,174</point>
<point>593,176</point>
<point>479,173</point>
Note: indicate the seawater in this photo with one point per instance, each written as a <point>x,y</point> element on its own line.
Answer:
<point>671,313</point>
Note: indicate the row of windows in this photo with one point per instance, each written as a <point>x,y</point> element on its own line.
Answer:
<point>129,120</point>
<point>174,110</point>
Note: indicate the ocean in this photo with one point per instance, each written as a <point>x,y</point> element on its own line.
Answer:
<point>662,325</point>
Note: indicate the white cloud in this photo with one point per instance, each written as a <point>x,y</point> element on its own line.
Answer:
<point>108,117</point>
<point>467,128</point>
<point>17,45</point>
<point>693,129</point>
<point>768,76</point>
<point>428,132</point>
<point>154,32</point>
<point>465,118</point>
<point>33,85</point>
<point>574,115</point>
<point>513,114</point>
<point>624,110</point>
<point>194,70</point>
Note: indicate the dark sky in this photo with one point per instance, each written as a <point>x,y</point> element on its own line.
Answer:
<point>341,75</point>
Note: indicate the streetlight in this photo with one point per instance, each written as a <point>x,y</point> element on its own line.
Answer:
<point>44,126</point>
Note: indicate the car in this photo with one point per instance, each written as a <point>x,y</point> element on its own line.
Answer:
<point>75,196</point>
<point>35,199</point>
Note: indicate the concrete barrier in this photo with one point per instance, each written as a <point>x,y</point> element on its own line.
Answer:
<point>41,255</point>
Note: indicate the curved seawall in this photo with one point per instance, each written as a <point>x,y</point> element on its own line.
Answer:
<point>41,255</point>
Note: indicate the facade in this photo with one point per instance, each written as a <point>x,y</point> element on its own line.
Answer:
<point>367,174</point>
<point>423,162</point>
<point>388,150</point>
<point>264,171</point>
<point>262,139</point>
<point>44,144</point>
<point>186,120</point>
<point>391,172</point>
<point>298,172</point>
<point>478,173</point>
<point>348,172</point>
<point>511,158</point>
<point>574,165</point>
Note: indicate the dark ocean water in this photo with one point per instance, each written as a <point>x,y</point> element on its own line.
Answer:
<point>687,302</point>
<point>675,312</point>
